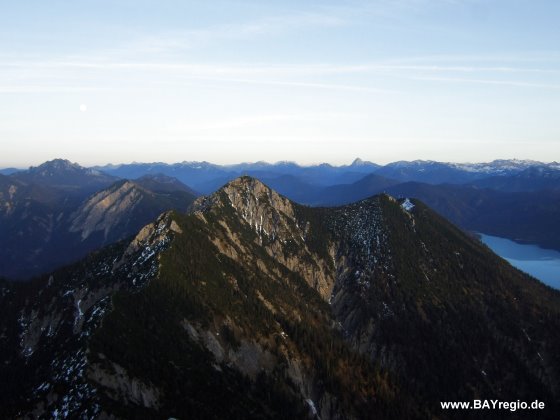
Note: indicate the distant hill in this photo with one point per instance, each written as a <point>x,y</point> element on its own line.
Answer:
<point>8,171</point>
<point>432,172</point>
<point>207,177</point>
<point>343,194</point>
<point>529,217</point>
<point>194,174</point>
<point>534,178</point>
<point>164,184</point>
<point>63,174</point>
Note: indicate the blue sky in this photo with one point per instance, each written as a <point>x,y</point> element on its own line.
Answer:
<point>103,81</point>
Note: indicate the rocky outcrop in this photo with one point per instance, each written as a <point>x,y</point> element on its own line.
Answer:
<point>106,209</point>
<point>274,222</point>
<point>119,386</point>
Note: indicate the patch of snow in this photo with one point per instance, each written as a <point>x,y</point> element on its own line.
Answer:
<point>80,313</point>
<point>311,405</point>
<point>407,205</point>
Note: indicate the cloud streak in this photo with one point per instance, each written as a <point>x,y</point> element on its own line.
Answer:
<point>89,74</point>
<point>178,41</point>
<point>520,84</point>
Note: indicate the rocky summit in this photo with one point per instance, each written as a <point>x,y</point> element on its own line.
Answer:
<point>252,306</point>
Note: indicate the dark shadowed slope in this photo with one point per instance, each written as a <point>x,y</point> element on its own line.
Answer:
<point>43,227</point>
<point>532,179</point>
<point>530,217</point>
<point>525,216</point>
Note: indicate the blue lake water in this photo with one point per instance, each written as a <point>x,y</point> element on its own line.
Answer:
<point>543,264</point>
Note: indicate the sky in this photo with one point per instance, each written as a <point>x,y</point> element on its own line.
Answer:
<point>116,81</point>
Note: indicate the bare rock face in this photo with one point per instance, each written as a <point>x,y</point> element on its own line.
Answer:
<point>7,199</point>
<point>119,386</point>
<point>152,234</point>
<point>274,223</point>
<point>106,209</point>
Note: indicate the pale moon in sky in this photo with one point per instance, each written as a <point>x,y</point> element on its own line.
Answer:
<point>83,107</point>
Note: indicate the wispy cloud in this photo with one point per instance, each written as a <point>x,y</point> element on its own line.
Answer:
<point>73,74</point>
<point>298,84</point>
<point>257,120</point>
<point>177,41</point>
<point>514,83</point>
<point>531,56</point>
<point>256,68</point>
<point>47,89</point>
<point>161,56</point>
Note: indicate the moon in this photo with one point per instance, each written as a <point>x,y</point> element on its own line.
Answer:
<point>83,108</point>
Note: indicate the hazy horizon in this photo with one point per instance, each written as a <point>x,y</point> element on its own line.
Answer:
<point>325,81</point>
<point>302,164</point>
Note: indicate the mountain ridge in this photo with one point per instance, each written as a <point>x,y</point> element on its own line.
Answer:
<point>380,307</point>
<point>44,227</point>
<point>206,177</point>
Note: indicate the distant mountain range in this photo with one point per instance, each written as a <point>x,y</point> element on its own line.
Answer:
<point>534,178</point>
<point>252,306</point>
<point>57,212</point>
<point>206,177</point>
<point>64,175</point>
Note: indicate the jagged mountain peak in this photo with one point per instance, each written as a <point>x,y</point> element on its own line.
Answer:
<point>63,174</point>
<point>56,166</point>
<point>247,186</point>
<point>248,208</point>
<point>60,166</point>
<point>245,181</point>
<point>152,235</point>
<point>257,204</point>
<point>244,194</point>
<point>516,162</point>
<point>360,164</point>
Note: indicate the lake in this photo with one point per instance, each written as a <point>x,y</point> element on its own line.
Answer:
<point>543,264</point>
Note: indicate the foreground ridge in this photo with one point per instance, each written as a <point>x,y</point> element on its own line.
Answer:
<point>281,310</point>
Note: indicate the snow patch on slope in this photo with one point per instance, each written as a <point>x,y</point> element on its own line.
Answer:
<point>407,205</point>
